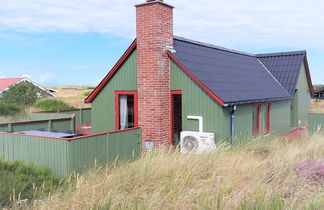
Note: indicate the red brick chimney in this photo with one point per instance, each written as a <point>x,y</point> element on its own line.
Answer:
<point>154,31</point>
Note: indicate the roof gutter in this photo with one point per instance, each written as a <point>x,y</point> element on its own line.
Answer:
<point>257,101</point>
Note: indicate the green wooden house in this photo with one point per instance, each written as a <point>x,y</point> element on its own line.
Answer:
<point>161,79</point>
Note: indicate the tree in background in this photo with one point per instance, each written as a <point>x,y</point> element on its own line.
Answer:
<point>24,94</point>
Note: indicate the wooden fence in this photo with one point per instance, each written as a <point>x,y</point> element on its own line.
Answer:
<point>63,156</point>
<point>82,116</point>
<point>315,122</point>
<point>61,122</point>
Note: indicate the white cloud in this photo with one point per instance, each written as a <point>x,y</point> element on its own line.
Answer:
<point>54,73</point>
<point>258,24</point>
<point>45,78</point>
<point>253,25</point>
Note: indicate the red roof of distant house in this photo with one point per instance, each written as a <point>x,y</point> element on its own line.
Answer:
<point>7,82</point>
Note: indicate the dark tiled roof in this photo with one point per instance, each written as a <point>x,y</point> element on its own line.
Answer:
<point>284,66</point>
<point>234,76</point>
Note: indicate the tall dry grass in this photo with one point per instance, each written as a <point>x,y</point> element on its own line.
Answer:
<point>257,175</point>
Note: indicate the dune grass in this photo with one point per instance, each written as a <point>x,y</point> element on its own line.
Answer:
<point>317,106</point>
<point>256,175</point>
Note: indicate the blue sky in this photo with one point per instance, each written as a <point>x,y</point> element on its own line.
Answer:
<point>73,43</point>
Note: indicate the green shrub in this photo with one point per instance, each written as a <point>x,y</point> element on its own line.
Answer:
<point>24,94</point>
<point>52,104</point>
<point>9,109</point>
<point>24,181</point>
<point>87,93</point>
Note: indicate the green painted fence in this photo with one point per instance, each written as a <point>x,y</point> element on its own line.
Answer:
<point>315,122</point>
<point>82,116</point>
<point>45,116</point>
<point>61,123</point>
<point>64,156</point>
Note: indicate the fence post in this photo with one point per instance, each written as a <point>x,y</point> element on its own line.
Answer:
<point>10,128</point>
<point>81,116</point>
<point>49,125</point>
<point>73,124</point>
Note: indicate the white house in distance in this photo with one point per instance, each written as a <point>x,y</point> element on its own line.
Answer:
<point>6,83</point>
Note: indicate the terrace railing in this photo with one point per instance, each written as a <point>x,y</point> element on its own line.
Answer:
<point>60,122</point>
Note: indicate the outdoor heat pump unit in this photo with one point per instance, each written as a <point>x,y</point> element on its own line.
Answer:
<point>197,142</point>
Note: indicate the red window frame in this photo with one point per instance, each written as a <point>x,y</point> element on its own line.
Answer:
<point>256,130</point>
<point>173,92</point>
<point>268,125</point>
<point>117,94</point>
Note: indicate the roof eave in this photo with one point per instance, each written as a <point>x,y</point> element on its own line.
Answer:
<point>309,79</point>
<point>257,101</point>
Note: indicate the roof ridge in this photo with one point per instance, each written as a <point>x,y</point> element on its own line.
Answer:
<point>212,46</point>
<point>274,54</point>
<point>273,76</point>
<point>277,54</point>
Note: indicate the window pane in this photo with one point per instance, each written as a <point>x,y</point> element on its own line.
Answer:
<point>126,112</point>
<point>131,113</point>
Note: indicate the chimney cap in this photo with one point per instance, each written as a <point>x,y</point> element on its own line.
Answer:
<point>153,2</point>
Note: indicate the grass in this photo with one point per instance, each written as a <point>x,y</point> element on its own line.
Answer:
<point>9,109</point>
<point>25,114</point>
<point>25,182</point>
<point>317,106</point>
<point>52,104</point>
<point>260,174</point>
<point>73,95</point>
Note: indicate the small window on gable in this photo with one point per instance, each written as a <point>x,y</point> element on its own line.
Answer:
<point>126,109</point>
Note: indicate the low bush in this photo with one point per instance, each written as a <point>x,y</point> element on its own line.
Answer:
<point>18,180</point>
<point>9,109</point>
<point>52,104</point>
<point>23,94</point>
<point>87,93</point>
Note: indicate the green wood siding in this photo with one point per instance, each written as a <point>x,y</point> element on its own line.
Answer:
<point>103,106</point>
<point>294,111</point>
<point>243,121</point>
<point>217,119</point>
<point>303,97</point>
<point>279,119</point>
<point>195,101</point>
